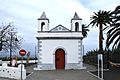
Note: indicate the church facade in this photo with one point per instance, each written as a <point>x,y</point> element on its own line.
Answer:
<point>59,48</point>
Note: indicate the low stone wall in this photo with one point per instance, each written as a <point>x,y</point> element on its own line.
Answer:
<point>12,72</point>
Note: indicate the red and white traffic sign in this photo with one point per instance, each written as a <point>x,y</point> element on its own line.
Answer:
<point>22,52</point>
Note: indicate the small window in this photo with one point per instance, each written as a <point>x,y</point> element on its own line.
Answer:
<point>76,26</point>
<point>42,25</point>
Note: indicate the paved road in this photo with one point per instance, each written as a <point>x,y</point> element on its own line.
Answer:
<point>59,74</point>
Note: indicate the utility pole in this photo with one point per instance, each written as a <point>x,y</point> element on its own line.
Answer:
<point>83,50</point>
<point>11,49</point>
<point>1,40</point>
<point>0,43</point>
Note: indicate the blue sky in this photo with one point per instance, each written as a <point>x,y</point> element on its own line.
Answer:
<point>24,15</point>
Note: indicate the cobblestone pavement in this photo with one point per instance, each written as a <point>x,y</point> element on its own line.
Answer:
<point>59,74</point>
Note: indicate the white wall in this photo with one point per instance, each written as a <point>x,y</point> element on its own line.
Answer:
<point>49,47</point>
<point>12,72</point>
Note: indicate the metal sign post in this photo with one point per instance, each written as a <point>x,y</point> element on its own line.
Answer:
<point>22,52</point>
<point>21,67</point>
<point>100,66</point>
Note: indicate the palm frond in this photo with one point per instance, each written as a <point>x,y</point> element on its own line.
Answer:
<point>116,42</point>
<point>110,40</point>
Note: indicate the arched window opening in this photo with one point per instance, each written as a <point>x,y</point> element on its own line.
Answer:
<point>42,25</point>
<point>76,26</point>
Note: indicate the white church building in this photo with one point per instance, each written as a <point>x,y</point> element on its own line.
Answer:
<point>59,48</point>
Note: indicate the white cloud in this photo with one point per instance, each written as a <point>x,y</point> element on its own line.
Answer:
<point>24,14</point>
<point>96,5</point>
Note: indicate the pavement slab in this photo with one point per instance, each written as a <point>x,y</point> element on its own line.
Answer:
<point>58,74</point>
<point>61,74</point>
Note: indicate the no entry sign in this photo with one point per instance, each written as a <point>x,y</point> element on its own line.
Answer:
<point>22,52</point>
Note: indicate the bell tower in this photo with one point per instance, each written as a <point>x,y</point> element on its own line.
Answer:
<point>76,23</point>
<point>43,23</point>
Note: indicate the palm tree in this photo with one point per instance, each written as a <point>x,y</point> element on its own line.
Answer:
<point>114,31</point>
<point>100,19</point>
<point>84,30</point>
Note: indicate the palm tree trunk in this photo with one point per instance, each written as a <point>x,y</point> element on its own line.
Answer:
<point>100,38</point>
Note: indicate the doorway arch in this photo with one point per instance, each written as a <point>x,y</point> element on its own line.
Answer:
<point>60,59</point>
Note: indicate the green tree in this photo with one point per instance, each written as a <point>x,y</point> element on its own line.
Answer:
<point>85,30</point>
<point>114,31</point>
<point>100,19</point>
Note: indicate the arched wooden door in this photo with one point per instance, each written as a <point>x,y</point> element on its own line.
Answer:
<point>60,59</point>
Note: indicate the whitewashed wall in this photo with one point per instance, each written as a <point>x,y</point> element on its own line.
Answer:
<point>70,42</point>
<point>12,72</point>
<point>70,46</point>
